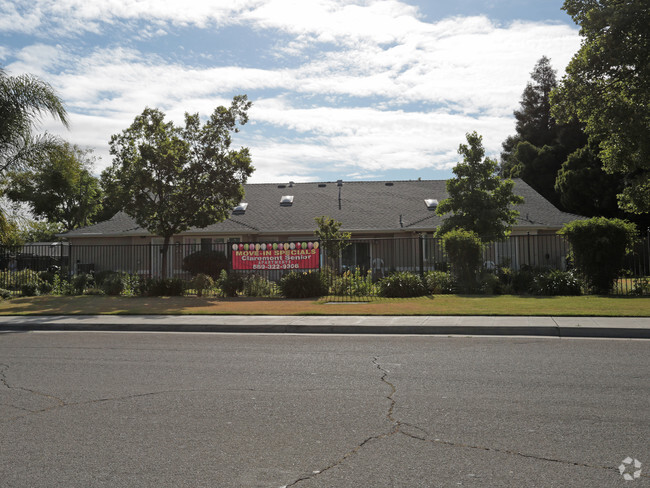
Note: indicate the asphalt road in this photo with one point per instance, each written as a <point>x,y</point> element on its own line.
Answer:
<point>80,409</point>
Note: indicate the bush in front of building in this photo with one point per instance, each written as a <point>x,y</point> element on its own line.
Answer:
<point>302,285</point>
<point>402,284</point>
<point>4,294</point>
<point>556,283</point>
<point>439,282</point>
<point>353,283</point>
<point>598,249</point>
<point>258,286</point>
<point>201,283</point>
<point>165,287</point>
<point>463,248</point>
<point>230,284</point>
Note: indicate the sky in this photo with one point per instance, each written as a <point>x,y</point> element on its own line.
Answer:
<point>341,89</point>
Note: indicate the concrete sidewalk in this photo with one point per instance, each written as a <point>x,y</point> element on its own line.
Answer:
<point>612,327</point>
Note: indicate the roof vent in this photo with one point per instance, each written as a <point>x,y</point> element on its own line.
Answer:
<point>240,209</point>
<point>286,200</point>
<point>389,183</point>
<point>291,184</point>
<point>322,185</point>
<point>339,182</point>
<point>282,186</point>
<point>431,203</point>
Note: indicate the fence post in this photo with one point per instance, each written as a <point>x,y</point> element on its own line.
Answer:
<point>528,242</point>
<point>422,255</point>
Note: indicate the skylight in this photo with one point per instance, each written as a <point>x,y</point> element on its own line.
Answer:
<point>240,209</point>
<point>431,203</point>
<point>286,200</point>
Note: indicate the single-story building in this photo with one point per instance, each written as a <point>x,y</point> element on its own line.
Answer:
<point>377,210</point>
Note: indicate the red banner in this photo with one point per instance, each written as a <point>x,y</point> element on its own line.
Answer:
<point>276,255</point>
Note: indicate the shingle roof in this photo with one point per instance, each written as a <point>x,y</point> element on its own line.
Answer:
<point>365,206</point>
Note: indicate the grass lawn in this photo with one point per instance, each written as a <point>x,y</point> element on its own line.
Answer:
<point>432,305</point>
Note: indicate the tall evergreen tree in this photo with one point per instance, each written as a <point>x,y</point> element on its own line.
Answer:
<point>479,200</point>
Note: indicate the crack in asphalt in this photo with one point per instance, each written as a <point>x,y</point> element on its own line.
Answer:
<point>60,403</point>
<point>398,428</point>
<point>394,430</point>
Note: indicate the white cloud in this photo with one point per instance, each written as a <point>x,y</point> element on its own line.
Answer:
<point>388,90</point>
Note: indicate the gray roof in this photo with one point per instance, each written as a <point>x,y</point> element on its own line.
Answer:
<point>365,206</point>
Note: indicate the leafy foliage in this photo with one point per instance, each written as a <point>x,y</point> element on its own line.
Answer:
<point>167,287</point>
<point>59,186</point>
<point>606,88</point>
<point>258,286</point>
<point>201,283</point>
<point>556,283</point>
<point>172,178</point>
<point>584,187</point>
<point>439,282</point>
<point>230,284</point>
<point>331,237</point>
<point>353,283</point>
<point>479,200</point>
<point>302,285</point>
<point>464,251</point>
<point>402,284</point>
<point>23,100</point>
<point>598,249</point>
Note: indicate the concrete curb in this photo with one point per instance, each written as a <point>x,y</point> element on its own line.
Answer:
<point>594,327</point>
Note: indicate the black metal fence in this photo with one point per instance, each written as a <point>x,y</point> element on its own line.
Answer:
<point>353,274</point>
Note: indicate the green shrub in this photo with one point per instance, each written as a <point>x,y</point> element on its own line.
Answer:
<point>102,276</point>
<point>598,249</point>
<point>490,284</point>
<point>463,249</point>
<point>523,279</point>
<point>168,287</point>
<point>112,284</point>
<point>61,286</point>
<point>302,285</point>
<point>5,294</point>
<point>402,284</point>
<point>556,282</point>
<point>47,276</point>
<point>641,287</point>
<point>210,263</point>
<point>439,282</point>
<point>134,285</point>
<point>29,289</point>
<point>357,283</point>
<point>82,281</point>
<point>258,286</point>
<point>45,288</point>
<point>230,284</point>
<point>202,282</point>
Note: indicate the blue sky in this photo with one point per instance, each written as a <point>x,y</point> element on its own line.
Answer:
<point>368,89</point>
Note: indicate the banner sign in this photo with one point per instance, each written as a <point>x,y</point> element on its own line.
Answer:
<point>277,255</point>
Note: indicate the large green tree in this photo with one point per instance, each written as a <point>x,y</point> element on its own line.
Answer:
<point>171,178</point>
<point>607,88</point>
<point>479,199</point>
<point>583,186</point>
<point>59,186</point>
<point>540,146</point>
